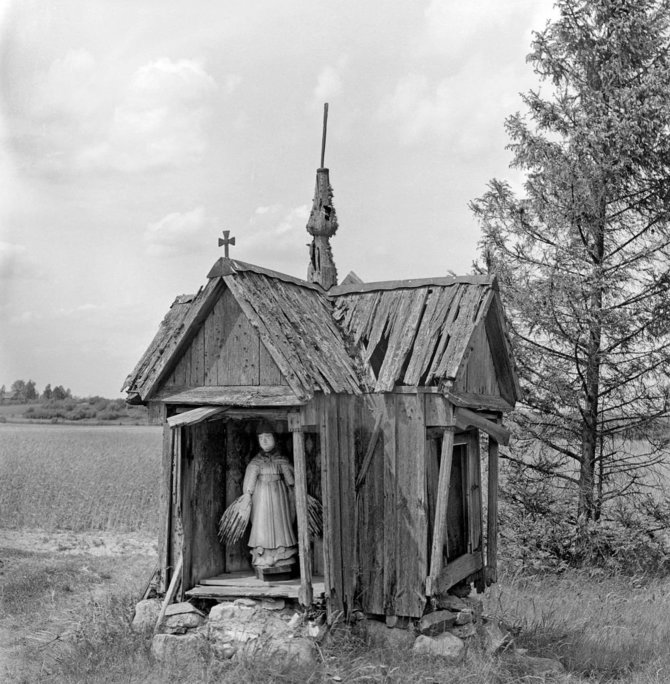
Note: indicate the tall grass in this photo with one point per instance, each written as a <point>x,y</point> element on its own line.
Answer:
<point>79,478</point>
<point>605,629</point>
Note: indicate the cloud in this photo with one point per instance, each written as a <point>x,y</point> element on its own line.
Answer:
<point>457,29</point>
<point>328,84</point>
<point>12,258</point>
<point>276,221</point>
<point>16,263</point>
<point>84,116</point>
<point>177,233</point>
<point>161,122</point>
<point>276,234</point>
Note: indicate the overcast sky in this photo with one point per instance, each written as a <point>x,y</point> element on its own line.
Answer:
<point>133,131</point>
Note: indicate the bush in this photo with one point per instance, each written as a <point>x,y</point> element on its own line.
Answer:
<point>540,533</point>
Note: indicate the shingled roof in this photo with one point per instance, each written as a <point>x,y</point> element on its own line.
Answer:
<point>354,338</point>
<point>413,332</point>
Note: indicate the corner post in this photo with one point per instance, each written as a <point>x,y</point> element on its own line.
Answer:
<point>492,515</point>
<point>305,596</point>
<point>440,527</point>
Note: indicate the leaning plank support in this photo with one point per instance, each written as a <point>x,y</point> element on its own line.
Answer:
<point>464,418</point>
<point>305,596</point>
<point>367,459</point>
<point>169,595</point>
<point>492,515</point>
<point>440,528</point>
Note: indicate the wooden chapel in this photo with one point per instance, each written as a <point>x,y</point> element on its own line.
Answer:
<point>382,395</point>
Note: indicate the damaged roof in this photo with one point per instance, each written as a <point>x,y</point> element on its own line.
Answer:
<point>354,338</point>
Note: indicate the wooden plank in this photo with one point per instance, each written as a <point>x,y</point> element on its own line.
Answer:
<point>411,543</point>
<point>433,447</point>
<point>305,595</point>
<point>456,571</point>
<point>464,418</point>
<point>177,531</point>
<point>461,326</point>
<point>475,512</point>
<point>266,590</point>
<point>194,416</point>
<point>430,330</point>
<point>390,513</point>
<point>477,401</point>
<point>440,529</point>
<point>347,455</point>
<point>214,331</point>
<point>269,373</point>
<point>401,338</point>
<point>170,594</point>
<point>357,288</point>
<point>165,508</point>
<point>331,501</point>
<point>243,395</point>
<point>492,515</point>
<point>197,353</point>
<point>370,507</point>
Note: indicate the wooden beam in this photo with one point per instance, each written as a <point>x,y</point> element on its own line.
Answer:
<point>305,595</point>
<point>479,401</point>
<point>475,505</point>
<point>457,570</point>
<point>166,499</point>
<point>440,529</point>
<point>492,515</point>
<point>464,418</point>
<point>172,590</point>
<point>357,288</point>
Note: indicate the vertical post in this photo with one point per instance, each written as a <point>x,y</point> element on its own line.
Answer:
<point>474,484</point>
<point>165,540</point>
<point>492,515</point>
<point>440,528</point>
<point>305,594</point>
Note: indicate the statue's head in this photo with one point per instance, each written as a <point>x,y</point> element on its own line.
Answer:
<point>266,437</point>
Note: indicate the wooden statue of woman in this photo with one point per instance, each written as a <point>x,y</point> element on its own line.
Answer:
<point>268,486</point>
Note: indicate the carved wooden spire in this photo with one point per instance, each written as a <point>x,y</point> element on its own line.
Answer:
<point>322,224</point>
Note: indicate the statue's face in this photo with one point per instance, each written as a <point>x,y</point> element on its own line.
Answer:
<point>266,441</point>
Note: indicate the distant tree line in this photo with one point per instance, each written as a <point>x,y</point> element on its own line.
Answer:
<point>22,392</point>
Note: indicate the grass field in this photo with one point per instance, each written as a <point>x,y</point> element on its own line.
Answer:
<point>78,512</point>
<point>79,477</point>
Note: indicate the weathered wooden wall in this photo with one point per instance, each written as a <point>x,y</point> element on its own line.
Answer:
<point>392,509</point>
<point>203,503</point>
<point>478,375</point>
<point>226,351</point>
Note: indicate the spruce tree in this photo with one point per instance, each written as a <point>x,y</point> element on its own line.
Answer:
<point>582,252</point>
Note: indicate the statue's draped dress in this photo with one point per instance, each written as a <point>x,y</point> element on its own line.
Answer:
<point>267,478</point>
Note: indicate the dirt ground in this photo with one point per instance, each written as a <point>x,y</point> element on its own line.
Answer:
<point>47,580</point>
<point>65,542</point>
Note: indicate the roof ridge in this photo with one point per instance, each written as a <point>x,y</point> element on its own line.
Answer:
<point>228,267</point>
<point>355,288</point>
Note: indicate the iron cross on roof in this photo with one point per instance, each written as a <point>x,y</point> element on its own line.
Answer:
<point>225,241</point>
